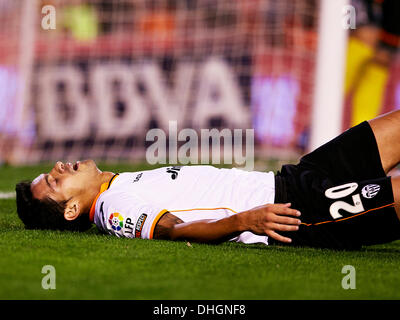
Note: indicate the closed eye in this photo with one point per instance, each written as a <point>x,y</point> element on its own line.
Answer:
<point>48,183</point>
<point>46,178</point>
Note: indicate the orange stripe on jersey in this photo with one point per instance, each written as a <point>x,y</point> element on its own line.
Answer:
<point>353,216</point>
<point>103,188</point>
<point>222,208</point>
<point>153,225</point>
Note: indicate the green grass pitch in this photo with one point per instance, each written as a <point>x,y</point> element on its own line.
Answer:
<point>94,266</point>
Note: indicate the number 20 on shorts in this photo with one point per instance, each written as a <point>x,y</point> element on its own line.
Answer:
<point>341,192</point>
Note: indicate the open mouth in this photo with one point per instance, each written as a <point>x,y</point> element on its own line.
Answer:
<point>76,166</point>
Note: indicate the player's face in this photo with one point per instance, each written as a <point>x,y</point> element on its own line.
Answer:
<point>66,181</point>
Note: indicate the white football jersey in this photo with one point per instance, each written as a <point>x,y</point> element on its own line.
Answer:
<point>133,202</point>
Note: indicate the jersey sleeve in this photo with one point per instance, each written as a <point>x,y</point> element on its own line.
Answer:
<point>124,215</point>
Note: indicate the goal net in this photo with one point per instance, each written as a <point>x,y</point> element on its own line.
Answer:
<point>95,83</point>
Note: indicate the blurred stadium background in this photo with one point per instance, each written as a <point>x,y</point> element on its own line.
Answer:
<point>111,70</point>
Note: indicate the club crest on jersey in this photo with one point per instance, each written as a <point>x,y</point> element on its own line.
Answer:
<point>116,221</point>
<point>370,191</point>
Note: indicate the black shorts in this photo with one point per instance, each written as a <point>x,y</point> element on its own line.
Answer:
<point>343,193</point>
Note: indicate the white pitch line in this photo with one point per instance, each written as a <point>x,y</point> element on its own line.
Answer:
<point>7,195</point>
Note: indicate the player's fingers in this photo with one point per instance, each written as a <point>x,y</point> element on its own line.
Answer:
<point>278,237</point>
<point>281,205</point>
<point>286,220</point>
<point>282,210</point>
<point>284,227</point>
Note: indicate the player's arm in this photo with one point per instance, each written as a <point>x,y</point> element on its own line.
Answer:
<point>263,220</point>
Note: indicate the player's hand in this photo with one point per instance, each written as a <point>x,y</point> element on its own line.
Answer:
<point>270,218</point>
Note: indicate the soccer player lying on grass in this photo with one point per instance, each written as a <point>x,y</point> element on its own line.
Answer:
<point>342,190</point>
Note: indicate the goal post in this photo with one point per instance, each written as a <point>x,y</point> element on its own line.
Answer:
<point>327,108</point>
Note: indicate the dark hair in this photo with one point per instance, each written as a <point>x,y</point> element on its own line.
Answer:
<point>46,213</point>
